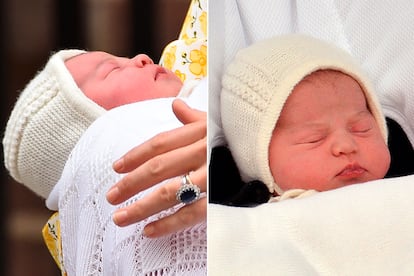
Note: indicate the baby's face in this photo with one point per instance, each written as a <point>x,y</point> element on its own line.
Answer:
<point>326,137</point>
<point>112,81</point>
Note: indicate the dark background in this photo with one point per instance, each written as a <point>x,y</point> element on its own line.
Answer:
<point>30,31</point>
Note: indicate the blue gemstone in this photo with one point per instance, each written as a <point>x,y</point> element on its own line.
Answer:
<point>187,196</point>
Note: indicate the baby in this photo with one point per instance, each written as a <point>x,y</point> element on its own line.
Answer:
<point>299,115</point>
<point>58,105</point>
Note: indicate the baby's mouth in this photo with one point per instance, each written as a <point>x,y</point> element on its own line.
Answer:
<point>352,171</point>
<point>159,70</point>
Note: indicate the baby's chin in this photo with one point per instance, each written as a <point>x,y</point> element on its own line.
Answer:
<point>345,182</point>
<point>327,186</point>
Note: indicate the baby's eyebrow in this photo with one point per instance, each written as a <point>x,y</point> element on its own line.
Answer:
<point>307,127</point>
<point>361,115</point>
<point>102,66</point>
<point>108,60</point>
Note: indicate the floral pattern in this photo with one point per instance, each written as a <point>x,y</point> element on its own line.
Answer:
<point>198,62</point>
<point>187,56</point>
<point>51,236</point>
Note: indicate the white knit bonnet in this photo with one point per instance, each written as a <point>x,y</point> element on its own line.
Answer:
<point>256,86</point>
<point>46,122</point>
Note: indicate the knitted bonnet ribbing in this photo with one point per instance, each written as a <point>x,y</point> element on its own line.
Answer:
<point>47,120</point>
<point>256,86</point>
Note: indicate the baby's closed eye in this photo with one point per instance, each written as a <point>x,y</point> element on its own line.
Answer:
<point>362,126</point>
<point>313,139</point>
<point>107,67</point>
<point>310,137</point>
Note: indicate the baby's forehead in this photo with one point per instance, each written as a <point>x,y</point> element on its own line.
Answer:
<point>85,64</point>
<point>326,75</point>
<point>91,57</point>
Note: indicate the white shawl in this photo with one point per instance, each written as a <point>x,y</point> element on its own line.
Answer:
<point>363,229</point>
<point>92,244</point>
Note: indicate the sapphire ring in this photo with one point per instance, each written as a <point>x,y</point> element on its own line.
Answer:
<point>188,192</point>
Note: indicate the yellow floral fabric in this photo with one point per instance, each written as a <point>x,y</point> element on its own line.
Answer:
<point>187,58</point>
<point>51,236</point>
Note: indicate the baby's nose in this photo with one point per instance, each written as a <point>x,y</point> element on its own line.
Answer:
<point>141,60</point>
<point>344,144</point>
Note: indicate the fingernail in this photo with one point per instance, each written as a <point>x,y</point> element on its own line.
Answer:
<point>113,194</point>
<point>149,230</point>
<point>118,164</point>
<point>119,217</point>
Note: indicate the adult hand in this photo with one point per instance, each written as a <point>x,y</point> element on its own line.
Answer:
<point>166,155</point>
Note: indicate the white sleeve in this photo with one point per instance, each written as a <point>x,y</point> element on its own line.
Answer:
<point>369,30</point>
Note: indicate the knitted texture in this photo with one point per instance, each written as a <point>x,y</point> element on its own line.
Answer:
<point>355,230</point>
<point>258,82</point>
<point>46,122</point>
<point>92,244</point>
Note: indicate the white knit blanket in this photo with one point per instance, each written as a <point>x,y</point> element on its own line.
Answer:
<point>359,230</point>
<point>92,243</point>
<point>363,229</point>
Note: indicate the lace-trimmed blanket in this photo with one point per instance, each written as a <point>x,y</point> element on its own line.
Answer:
<point>92,244</point>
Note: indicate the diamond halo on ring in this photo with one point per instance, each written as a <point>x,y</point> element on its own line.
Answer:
<point>188,192</point>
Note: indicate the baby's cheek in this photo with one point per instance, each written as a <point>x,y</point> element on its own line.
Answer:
<point>288,175</point>
<point>381,164</point>
<point>302,173</point>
